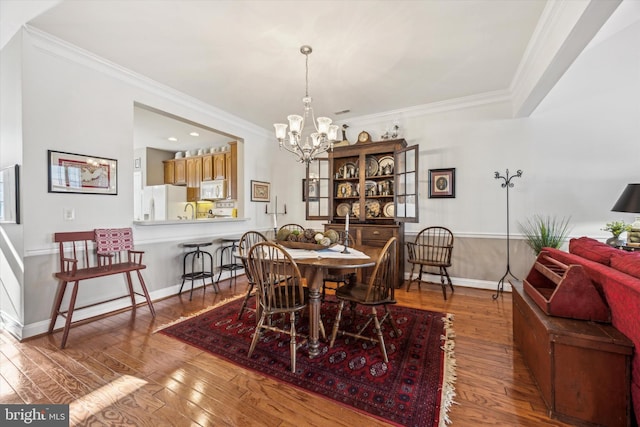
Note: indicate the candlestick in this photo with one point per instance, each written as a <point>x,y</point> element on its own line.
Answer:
<point>346,227</point>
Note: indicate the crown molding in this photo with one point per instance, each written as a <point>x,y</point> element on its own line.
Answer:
<point>487,98</point>
<point>62,49</point>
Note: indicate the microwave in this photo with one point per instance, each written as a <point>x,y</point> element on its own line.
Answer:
<point>213,190</point>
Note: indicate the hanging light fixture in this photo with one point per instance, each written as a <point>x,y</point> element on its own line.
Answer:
<point>307,147</point>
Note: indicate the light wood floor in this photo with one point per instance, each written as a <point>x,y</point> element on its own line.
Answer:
<point>116,371</point>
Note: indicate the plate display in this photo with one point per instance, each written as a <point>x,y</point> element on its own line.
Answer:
<point>348,170</point>
<point>343,209</point>
<point>355,208</point>
<point>386,165</point>
<point>345,189</point>
<point>388,210</point>
<point>372,166</point>
<point>372,208</point>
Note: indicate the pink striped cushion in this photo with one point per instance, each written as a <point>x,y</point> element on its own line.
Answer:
<point>113,239</point>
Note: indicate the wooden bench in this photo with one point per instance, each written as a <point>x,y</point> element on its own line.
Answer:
<point>92,254</point>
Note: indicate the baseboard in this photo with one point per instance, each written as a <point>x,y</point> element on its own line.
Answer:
<point>21,332</point>
<point>467,283</point>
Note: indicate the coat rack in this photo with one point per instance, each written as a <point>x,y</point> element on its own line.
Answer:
<point>506,184</point>
<point>275,213</point>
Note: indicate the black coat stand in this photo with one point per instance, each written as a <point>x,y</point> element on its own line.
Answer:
<point>506,184</point>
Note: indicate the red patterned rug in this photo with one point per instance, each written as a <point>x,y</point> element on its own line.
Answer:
<point>414,389</point>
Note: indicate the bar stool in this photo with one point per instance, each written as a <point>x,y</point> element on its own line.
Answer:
<point>202,273</point>
<point>228,262</point>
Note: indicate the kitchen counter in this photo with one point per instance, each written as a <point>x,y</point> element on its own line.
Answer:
<point>191,221</point>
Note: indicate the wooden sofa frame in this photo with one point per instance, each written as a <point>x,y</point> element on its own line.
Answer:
<point>79,260</point>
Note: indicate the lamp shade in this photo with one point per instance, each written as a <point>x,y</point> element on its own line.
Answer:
<point>629,200</point>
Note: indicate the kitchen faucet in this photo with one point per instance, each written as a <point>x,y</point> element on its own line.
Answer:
<point>193,212</point>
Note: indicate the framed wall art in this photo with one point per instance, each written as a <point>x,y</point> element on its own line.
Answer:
<point>260,191</point>
<point>442,183</point>
<point>79,173</point>
<point>10,194</point>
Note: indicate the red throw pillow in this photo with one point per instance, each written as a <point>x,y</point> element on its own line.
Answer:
<point>592,250</point>
<point>627,262</point>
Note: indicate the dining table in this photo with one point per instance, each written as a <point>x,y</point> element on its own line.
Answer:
<point>314,264</point>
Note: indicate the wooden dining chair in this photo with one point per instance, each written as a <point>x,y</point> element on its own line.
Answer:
<point>246,242</point>
<point>336,277</point>
<point>432,248</point>
<point>377,292</point>
<point>280,290</point>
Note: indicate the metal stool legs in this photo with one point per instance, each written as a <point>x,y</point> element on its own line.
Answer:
<point>194,274</point>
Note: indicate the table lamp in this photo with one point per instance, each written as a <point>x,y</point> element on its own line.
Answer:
<point>629,201</point>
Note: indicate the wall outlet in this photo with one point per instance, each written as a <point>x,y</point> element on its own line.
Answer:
<point>69,214</point>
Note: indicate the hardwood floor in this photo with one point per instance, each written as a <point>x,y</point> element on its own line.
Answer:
<point>117,371</point>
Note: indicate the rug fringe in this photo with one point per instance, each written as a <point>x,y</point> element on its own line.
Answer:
<point>449,371</point>
<point>197,313</point>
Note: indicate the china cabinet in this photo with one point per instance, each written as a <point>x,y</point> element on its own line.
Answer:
<point>375,183</point>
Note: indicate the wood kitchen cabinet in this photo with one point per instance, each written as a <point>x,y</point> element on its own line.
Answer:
<point>191,171</point>
<point>375,183</point>
<point>219,166</point>
<point>207,168</point>
<point>169,172</point>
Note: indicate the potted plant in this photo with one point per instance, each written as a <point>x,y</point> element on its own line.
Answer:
<point>616,228</point>
<point>545,231</point>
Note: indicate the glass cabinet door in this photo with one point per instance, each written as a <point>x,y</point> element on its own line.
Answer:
<point>406,184</point>
<point>316,190</point>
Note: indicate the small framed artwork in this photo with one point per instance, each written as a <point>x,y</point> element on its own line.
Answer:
<point>312,188</point>
<point>442,183</point>
<point>10,194</point>
<point>79,173</point>
<point>260,191</point>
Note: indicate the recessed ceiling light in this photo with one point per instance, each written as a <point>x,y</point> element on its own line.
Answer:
<point>194,134</point>
<point>172,139</point>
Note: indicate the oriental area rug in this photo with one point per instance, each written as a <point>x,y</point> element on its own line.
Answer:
<point>414,389</point>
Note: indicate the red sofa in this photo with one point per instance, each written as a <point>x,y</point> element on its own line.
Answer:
<point>616,275</point>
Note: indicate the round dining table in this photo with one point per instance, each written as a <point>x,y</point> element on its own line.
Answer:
<point>314,270</point>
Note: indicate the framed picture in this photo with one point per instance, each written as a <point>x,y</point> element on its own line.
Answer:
<point>313,189</point>
<point>260,191</point>
<point>442,183</point>
<point>79,173</point>
<point>10,194</point>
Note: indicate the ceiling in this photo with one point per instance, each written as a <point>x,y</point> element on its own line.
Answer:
<point>369,56</point>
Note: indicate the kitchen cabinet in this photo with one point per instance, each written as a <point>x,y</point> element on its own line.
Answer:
<point>376,184</point>
<point>191,171</point>
<point>219,166</point>
<point>207,168</point>
<point>231,170</point>
<point>180,172</point>
<point>169,172</point>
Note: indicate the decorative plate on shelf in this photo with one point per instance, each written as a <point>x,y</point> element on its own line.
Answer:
<point>372,166</point>
<point>386,165</point>
<point>343,209</point>
<point>372,208</point>
<point>388,210</point>
<point>345,189</point>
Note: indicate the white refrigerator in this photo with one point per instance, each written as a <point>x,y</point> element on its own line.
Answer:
<point>163,202</point>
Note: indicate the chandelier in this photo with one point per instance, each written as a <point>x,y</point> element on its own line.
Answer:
<point>307,147</point>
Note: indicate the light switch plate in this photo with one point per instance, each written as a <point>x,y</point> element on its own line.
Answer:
<point>69,214</point>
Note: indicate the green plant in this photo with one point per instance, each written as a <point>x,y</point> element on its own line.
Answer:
<point>617,227</point>
<point>545,231</point>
